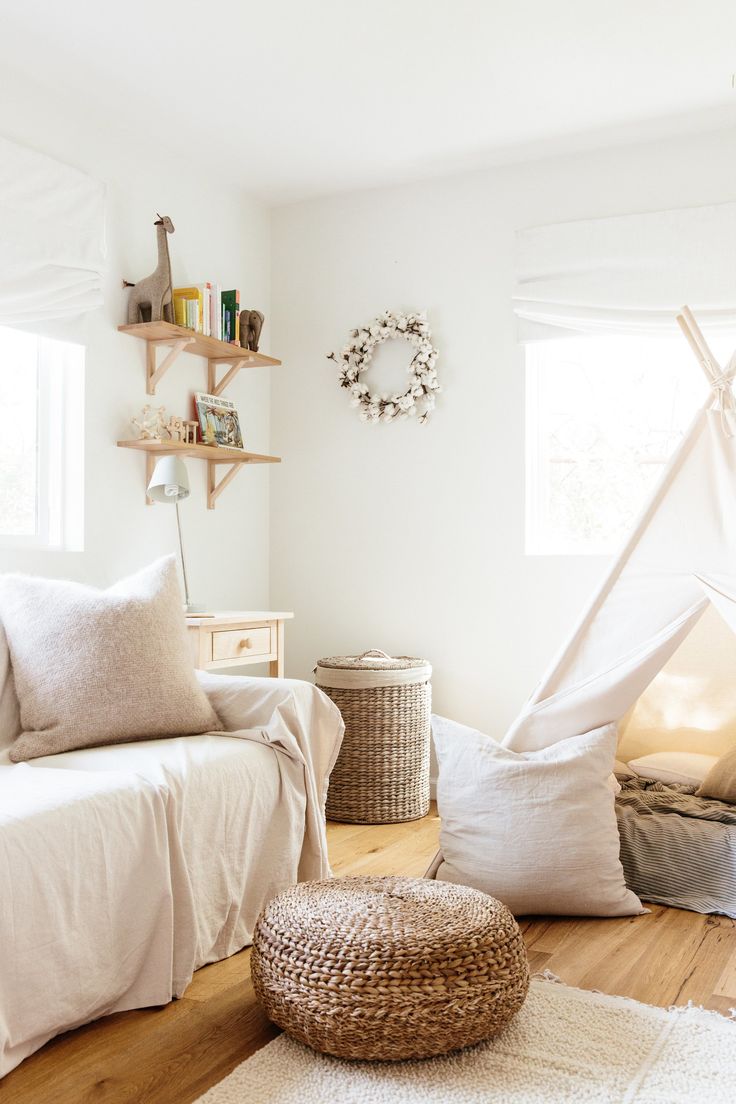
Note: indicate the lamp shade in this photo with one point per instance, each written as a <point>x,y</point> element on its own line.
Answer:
<point>169,482</point>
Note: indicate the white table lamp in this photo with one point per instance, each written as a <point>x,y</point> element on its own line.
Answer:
<point>170,483</point>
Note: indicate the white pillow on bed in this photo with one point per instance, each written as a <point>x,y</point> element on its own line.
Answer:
<point>9,708</point>
<point>687,767</point>
<point>537,829</point>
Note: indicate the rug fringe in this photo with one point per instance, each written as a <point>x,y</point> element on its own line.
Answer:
<point>547,975</point>
<point>700,1008</point>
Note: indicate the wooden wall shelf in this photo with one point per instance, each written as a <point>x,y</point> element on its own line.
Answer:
<point>178,339</point>
<point>213,455</point>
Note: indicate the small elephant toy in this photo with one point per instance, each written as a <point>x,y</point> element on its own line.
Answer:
<point>251,324</point>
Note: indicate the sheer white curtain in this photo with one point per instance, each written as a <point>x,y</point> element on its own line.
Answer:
<point>52,238</point>
<point>628,274</point>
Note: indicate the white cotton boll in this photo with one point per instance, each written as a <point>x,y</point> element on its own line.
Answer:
<point>355,402</point>
<point>363,415</point>
<point>412,411</point>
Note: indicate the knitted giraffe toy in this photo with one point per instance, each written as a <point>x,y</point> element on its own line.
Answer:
<point>151,298</point>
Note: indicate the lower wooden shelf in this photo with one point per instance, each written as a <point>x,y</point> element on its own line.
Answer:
<point>212,454</point>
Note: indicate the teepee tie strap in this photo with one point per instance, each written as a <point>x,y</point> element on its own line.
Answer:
<point>725,397</point>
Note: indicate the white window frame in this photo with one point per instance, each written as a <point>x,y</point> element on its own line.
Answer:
<point>539,537</point>
<point>60,451</point>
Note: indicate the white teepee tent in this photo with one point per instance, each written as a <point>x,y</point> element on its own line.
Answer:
<point>680,557</point>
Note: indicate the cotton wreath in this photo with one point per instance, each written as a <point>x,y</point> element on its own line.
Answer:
<point>423,385</point>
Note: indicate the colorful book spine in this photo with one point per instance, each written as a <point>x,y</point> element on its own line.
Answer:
<point>180,310</point>
<point>216,312</point>
<point>231,315</point>
<point>205,294</point>
<point>192,309</point>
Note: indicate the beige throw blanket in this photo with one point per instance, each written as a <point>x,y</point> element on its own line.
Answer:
<point>123,869</point>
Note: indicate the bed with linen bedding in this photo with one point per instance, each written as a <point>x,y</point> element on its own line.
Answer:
<point>677,848</point>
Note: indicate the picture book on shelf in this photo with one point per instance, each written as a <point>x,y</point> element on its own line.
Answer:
<point>218,421</point>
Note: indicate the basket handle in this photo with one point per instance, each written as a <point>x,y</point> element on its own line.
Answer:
<point>376,653</point>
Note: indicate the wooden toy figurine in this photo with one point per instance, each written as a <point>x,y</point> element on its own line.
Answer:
<point>150,423</point>
<point>179,429</point>
<point>175,428</point>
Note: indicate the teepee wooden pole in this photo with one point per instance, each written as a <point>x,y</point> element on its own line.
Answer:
<point>698,344</point>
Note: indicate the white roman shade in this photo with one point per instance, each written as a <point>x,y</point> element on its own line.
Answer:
<point>629,274</point>
<point>52,238</point>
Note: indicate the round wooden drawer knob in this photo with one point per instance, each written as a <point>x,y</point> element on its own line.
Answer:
<point>245,643</point>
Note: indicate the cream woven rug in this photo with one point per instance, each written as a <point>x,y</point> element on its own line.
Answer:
<point>565,1045</point>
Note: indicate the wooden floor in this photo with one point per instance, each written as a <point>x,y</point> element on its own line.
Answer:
<point>173,1054</point>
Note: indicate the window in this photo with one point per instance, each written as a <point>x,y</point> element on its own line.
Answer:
<point>604,414</point>
<point>41,442</point>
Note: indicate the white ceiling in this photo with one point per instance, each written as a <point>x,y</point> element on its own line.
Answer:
<point>299,98</point>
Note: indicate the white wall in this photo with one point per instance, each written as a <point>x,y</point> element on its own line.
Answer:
<point>220,235</point>
<point>410,538</point>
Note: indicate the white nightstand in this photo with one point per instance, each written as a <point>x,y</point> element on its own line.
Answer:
<point>237,637</point>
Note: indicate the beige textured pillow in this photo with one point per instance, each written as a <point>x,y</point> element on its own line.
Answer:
<point>720,781</point>
<point>98,667</point>
<point>535,829</point>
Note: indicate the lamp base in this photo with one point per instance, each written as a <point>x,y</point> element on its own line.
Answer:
<point>193,610</point>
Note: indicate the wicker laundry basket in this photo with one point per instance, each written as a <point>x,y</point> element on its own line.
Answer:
<point>382,772</point>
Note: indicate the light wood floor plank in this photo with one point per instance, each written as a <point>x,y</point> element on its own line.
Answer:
<point>173,1054</point>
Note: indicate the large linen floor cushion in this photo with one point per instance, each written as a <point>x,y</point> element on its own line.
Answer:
<point>96,667</point>
<point>535,829</point>
<point>388,968</point>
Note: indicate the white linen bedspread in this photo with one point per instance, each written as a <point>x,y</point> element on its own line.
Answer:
<point>123,869</point>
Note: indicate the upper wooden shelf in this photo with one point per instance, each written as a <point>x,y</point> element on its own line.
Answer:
<point>179,339</point>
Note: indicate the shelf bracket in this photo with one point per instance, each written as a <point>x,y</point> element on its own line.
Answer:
<point>215,489</point>
<point>155,374</point>
<point>213,386</point>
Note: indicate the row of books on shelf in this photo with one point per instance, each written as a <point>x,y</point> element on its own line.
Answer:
<point>207,309</point>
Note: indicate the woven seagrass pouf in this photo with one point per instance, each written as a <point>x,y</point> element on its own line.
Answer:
<point>388,968</point>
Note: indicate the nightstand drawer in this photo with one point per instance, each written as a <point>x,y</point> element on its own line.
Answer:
<point>241,643</point>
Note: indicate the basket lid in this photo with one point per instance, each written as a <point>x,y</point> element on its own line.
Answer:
<point>374,660</point>
<point>372,669</point>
